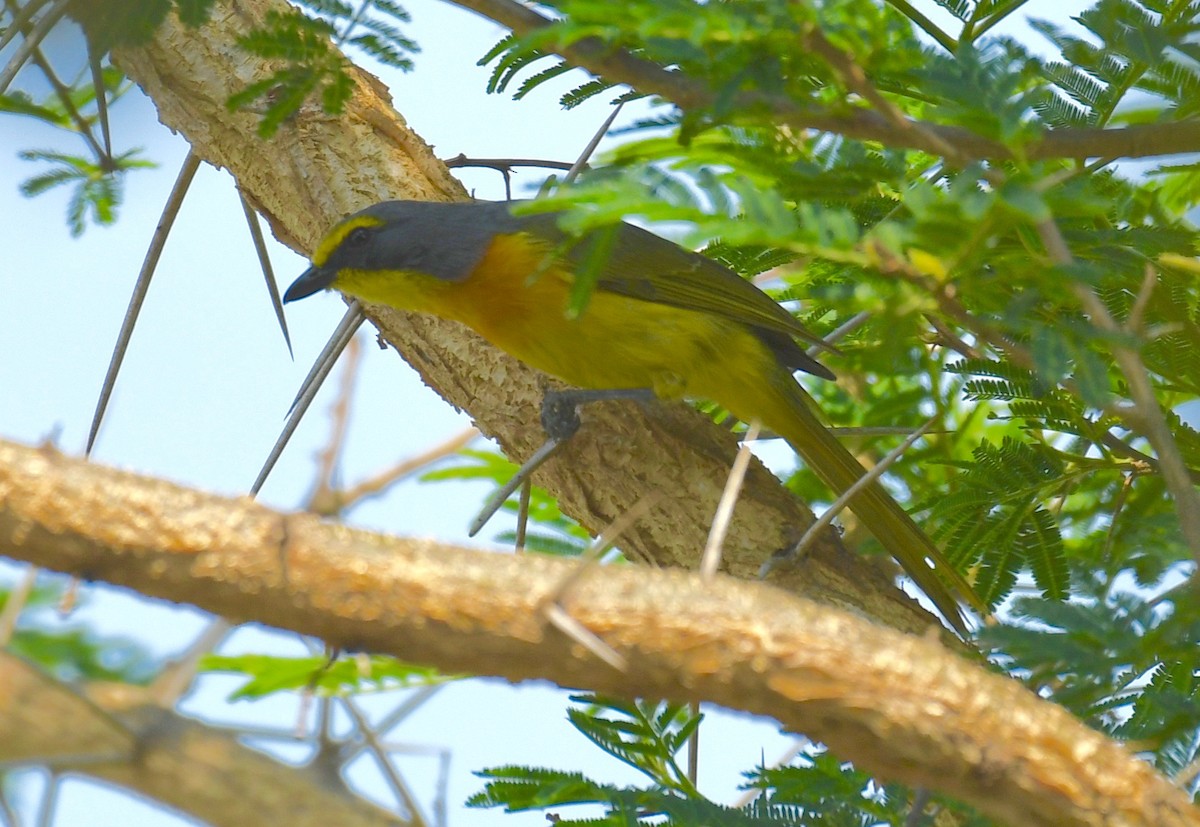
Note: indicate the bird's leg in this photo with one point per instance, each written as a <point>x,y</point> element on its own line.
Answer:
<point>560,421</point>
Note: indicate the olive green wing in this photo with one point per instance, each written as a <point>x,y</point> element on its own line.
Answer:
<point>644,266</point>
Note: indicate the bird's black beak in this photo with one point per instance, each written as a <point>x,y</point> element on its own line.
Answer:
<point>312,280</point>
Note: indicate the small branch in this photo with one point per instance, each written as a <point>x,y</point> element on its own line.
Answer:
<point>1146,415</point>
<point>391,775</point>
<point>503,164</point>
<point>378,484</point>
<point>863,689</point>
<point>842,501</point>
<point>116,734</point>
<point>952,340</point>
<point>33,39</point>
<point>926,25</point>
<point>176,678</point>
<point>63,93</point>
<point>856,79</point>
<point>619,66</point>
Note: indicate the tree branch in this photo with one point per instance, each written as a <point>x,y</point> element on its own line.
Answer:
<point>116,733</point>
<point>864,690</point>
<point>319,168</point>
<point>619,66</point>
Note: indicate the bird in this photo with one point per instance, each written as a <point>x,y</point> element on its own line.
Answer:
<point>658,317</point>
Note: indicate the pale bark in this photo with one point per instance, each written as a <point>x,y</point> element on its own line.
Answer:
<point>901,707</point>
<point>116,734</point>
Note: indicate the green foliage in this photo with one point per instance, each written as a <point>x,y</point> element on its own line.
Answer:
<point>816,789</point>
<point>116,23</point>
<point>996,515</point>
<point>647,736</point>
<point>819,789</point>
<point>1035,473</point>
<point>73,653</point>
<point>1035,480</point>
<point>308,45</point>
<point>96,189</point>
<point>527,788</point>
<point>346,675</point>
<point>1133,46</point>
<point>97,179</point>
<point>1123,662</point>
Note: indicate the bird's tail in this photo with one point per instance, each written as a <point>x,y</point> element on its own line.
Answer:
<point>790,414</point>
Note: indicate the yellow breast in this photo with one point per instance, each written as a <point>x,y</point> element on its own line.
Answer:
<point>518,301</point>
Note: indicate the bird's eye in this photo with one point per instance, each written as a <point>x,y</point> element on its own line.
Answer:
<point>356,237</point>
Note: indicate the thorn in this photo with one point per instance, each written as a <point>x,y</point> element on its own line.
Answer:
<point>170,210</point>
<point>324,363</point>
<point>710,560</point>
<point>264,260</point>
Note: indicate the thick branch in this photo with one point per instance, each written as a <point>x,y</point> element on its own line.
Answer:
<point>318,168</point>
<point>114,733</point>
<point>900,706</point>
<point>619,66</point>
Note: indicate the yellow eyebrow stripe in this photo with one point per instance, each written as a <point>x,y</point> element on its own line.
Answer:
<point>334,238</point>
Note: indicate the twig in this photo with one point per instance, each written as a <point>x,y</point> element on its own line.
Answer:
<point>173,681</point>
<point>351,749</point>
<point>916,812</point>
<point>504,166</point>
<point>928,26</point>
<point>840,503</point>
<point>856,79</point>
<point>170,210</point>
<point>995,18</point>
<point>1138,311</point>
<point>1145,414</point>
<point>523,515</point>
<point>461,160</point>
<point>952,339</point>
<point>693,773</point>
<point>8,815</point>
<point>390,773</point>
<point>101,101</point>
<point>378,484</point>
<point>20,21</point>
<point>32,40</point>
<point>63,93</point>
<point>551,605</point>
<point>49,802</point>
